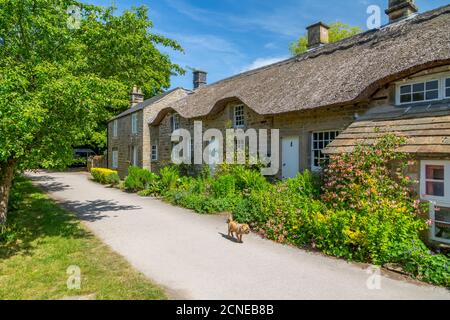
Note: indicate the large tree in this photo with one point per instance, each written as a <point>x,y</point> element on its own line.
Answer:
<point>338,31</point>
<point>65,68</point>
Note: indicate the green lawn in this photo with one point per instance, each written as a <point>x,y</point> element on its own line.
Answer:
<point>42,241</point>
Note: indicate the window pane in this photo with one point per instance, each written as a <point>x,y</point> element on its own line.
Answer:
<point>432,85</point>
<point>405,98</point>
<point>447,92</point>
<point>434,172</point>
<point>418,96</point>
<point>432,95</point>
<point>435,188</point>
<point>405,89</point>
<point>442,223</point>
<point>418,87</point>
<point>447,82</point>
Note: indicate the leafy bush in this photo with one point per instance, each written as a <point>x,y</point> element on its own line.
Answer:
<point>113,179</point>
<point>224,186</point>
<point>139,179</point>
<point>170,177</point>
<point>200,203</point>
<point>246,178</point>
<point>105,176</point>
<point>375,216</point>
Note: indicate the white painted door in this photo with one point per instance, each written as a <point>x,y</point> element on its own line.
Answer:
<point>290,157</point>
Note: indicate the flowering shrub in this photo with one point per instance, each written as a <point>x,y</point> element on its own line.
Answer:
<point>373,215</point>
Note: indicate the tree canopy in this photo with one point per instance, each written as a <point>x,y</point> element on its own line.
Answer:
<point>66,68</point>
<point>338,31</point>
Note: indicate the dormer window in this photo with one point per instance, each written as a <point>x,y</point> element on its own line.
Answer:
<point>239,117</point>
<point>424,89</point>
<point>175,122</point>
<point>417,92</point>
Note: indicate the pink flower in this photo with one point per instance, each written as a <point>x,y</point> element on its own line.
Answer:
<point>429,222</point>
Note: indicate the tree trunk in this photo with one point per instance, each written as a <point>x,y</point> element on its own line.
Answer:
<point>6,176</point>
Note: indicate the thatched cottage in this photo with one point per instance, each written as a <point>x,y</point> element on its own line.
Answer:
<point>395,78</point>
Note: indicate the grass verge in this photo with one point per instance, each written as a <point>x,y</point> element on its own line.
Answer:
<point>42,240</point>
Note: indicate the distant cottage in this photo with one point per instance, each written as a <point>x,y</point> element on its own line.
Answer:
<point>325,101</point>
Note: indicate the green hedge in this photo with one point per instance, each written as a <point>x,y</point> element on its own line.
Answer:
<point>105,176</point>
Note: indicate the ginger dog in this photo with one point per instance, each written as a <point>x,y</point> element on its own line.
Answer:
<point>239,229</point>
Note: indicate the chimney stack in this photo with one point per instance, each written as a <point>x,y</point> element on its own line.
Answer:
<point>199,78</point>
<point>136,96</point>
<point>317,35</point>
<point>400,9</point>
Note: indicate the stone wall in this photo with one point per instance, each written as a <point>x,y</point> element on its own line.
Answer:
<point>300,124</point>
<point>124,142</point>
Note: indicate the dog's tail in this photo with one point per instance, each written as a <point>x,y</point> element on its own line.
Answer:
<point>230,217</point>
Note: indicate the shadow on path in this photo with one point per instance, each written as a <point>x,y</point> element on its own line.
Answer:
<point>92,210</point>
<point>229,238</point>
<point>48,183</point>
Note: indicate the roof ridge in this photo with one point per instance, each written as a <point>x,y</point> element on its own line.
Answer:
<point>145,103</point>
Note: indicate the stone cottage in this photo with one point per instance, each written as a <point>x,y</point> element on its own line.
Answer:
<point>324,101</point>
<point>129,134</point>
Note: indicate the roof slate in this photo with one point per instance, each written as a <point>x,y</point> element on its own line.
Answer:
<point>426,128</point>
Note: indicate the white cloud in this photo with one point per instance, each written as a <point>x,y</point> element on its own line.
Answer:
<point>261,62</point>
<point>271,45</point>
<point>285,20</point>
<point>210,43</point>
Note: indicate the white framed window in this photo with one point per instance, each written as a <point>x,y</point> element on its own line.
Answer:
<point>429,88</point>
<point>115,159</point>
<point>418,92</point>
<point>447,87</point>
<point>319,140</point>
<point>134,123</point>
<point>440,223</point>
<point>175,122</point>
<point>435,187</point>
<point>154,152</point>
<point>115,128</point>
<point>435,181</point>
<point>238,116</point>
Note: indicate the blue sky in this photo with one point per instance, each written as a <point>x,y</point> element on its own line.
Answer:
<point>226,37</point>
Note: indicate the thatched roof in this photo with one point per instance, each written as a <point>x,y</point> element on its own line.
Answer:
<point>425,127</point>
<point>147,103</point>
<point>344,72</point>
